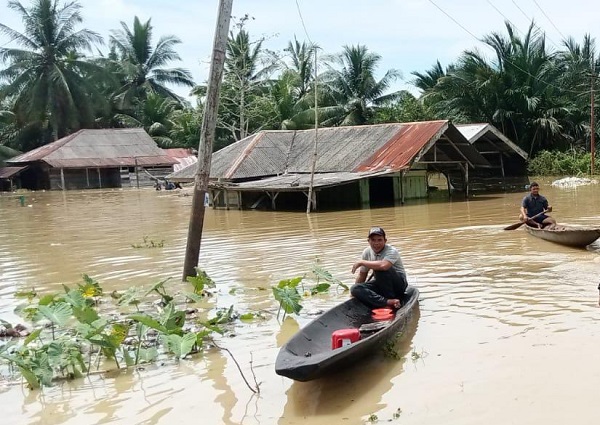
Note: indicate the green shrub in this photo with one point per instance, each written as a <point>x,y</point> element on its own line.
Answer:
<point>556,163</point>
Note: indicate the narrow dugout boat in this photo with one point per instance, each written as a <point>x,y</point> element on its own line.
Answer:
<point>566,235</point>
<point>309,354</point>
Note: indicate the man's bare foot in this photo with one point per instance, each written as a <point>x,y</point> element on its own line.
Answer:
<point>393,302</point>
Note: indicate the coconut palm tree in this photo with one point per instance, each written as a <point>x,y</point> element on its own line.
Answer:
<point>141,66</point>
<point>352,90</point>
<point>245,90</point>
<point>44,75</point>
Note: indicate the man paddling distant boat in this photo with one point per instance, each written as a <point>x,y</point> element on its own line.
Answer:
<point>387,286</point>
<point>533,206</point>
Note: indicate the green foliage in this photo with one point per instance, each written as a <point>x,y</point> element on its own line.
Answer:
<point>555,163</point>
<point>77,327</point>
<point>200,281</point>
<point>322,274</point>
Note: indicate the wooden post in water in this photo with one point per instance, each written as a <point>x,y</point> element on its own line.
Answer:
<point>207,136</point>
<point>309,203</point>
<point>592,129</point>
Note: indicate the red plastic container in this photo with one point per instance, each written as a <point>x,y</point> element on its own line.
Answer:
<point>343,337</point>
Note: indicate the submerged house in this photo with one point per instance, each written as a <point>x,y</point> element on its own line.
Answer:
<point>372,165</point>
<point>508,162</point>
<point>92,159</point>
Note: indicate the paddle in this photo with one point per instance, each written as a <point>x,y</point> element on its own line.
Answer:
<point>520,223</point>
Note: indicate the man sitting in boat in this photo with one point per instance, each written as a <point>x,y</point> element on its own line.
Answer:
<point>534,207</point>
<point>388,280</point>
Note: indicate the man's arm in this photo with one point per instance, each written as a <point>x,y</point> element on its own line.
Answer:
<point>362,277</point>
<point>379,265</point>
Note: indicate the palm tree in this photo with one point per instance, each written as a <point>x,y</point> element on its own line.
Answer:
<point>352,91</point>
<point>44,77</point>
<point>141,66</point>
<point>154,115</point>
<point>302,57</point>
<point>245,89</point>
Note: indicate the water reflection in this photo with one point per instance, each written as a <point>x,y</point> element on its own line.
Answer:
<point>492,302</point>
<point>352,394</point>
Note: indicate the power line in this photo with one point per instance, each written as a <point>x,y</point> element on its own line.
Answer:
<point>547,17</point>
<point>505,60</point>
<point>302,20</point>
<point>537,26</point>
<point>505,18</point>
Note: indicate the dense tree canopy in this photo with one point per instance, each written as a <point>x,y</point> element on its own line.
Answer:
<point>50,87</point>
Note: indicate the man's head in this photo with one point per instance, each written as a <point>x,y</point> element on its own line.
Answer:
<point>376,231</point>
<point>534,187</point>
<point>377,239</point>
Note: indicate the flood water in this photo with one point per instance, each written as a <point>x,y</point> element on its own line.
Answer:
<point>507,330</point>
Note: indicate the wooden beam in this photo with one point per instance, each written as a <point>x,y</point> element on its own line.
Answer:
<point>460,153</point>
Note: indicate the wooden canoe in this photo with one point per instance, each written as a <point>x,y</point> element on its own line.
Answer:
<point>309,355</point>
<point>566,235</point>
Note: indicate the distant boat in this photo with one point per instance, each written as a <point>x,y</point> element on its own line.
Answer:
<point>309,354</point>
<point>566,235</point>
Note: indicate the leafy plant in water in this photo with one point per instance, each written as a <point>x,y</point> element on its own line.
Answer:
<point>199,283</point>
<point>322,274</point>
<point>76,327</point>
<point>286,293</point>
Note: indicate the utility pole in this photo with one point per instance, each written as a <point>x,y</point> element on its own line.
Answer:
<point>592,126</point>
<point>314,161</point>
<point>207,137</point>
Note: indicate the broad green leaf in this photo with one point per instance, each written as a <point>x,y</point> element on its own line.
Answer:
<point>129,361</point>
<point>47,299</point>
<point>55,352</point>
<point>320,288</point>
<point>247,316</point>
<point>158,287</point>
<point>321,273</point>
<point>32,336</point>
<point>59,313</point>
<point>148,321</point>
<point>30,377</point>
<point>26,311</point>
<point>85,314</point>
<point>172,319</point>
<point>180,346</point>
<point>213,328</point>
<point>195,298</point>
<point>293,282</point>
<point>148,354</point>
<point>131,296</point>
<point>289,299</point>
<point>75,299</point>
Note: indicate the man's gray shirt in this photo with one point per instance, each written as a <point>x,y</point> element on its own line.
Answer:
<point>388,253</point>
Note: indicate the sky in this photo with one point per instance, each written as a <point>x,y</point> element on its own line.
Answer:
<point>409,35</point>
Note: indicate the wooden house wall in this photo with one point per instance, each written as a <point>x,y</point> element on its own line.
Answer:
<point>129,176</point>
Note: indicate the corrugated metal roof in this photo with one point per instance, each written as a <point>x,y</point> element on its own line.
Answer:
<point>99,148</point>
<point>399,151</point>
<point>295,182</point>
<point>339,149</point>
<point>8,172</point>
<point>476,132</point>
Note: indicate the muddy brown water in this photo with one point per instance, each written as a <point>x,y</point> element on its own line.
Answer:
<point>507,329</point>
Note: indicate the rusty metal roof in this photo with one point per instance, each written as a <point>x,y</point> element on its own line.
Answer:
<point>99,148</point>
<point>8,172</point>
<point>296,182</point>
<point>371,148</point>
<point>488,138</point>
